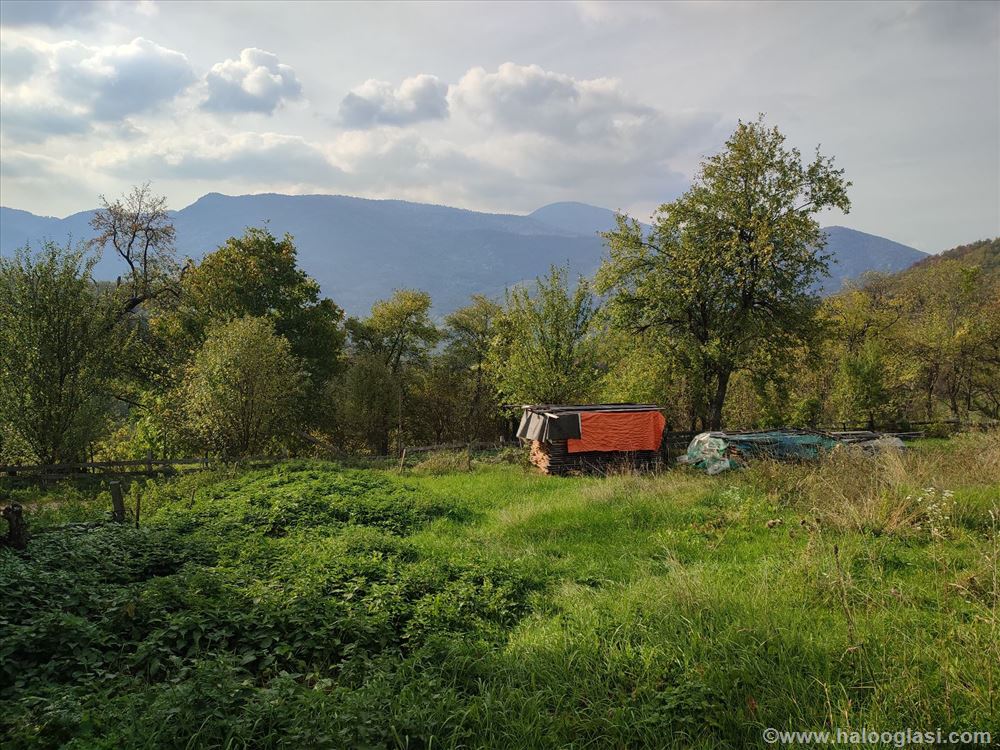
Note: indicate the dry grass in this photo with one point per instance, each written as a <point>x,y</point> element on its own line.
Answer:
<point>891,492</point>
<point>444,462</point>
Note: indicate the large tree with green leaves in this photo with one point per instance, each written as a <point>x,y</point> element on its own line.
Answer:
<point>57,339</point>
<point>257,275</point>
<point>385,350</point>
<point>469,333</point>
<point>243,391</point>
<point>728,268</point>
<point>545,349</point>
<point>399,330</point>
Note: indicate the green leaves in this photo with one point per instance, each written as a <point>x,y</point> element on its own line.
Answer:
<point>257,275</point>
<point>59,339</point>
<point>727,269</point>
<point>244,388</point>
<point>203,622</point>
<point>545,349</point>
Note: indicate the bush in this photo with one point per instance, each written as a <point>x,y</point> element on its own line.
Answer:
<point>243,391</point>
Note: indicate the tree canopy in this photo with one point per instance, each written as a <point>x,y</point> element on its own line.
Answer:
<point>545,350</point>
<point>243,390</point>
<point>57,337</point>
<point>257,274</point>
<point>728,268</point>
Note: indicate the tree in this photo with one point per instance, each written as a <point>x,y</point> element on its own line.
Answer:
<point>864,383</point>
<point>385,347</point>
<point>366,400</point>
<point>641,370</point>
<point>139,229</point>
<point>399,330</point>
<point>469,334</point>
<point>728,267</point>
<point>545,350</point>
<point>56,341</point>
<point>243,391</point>
<point>950,331</point>
<point>257,275</point>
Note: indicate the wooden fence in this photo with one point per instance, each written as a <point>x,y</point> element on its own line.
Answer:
<point>126,468</point>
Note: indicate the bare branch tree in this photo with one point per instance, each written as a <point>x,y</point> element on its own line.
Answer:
<point>139,229</point>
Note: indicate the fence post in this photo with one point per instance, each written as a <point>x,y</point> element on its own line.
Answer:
<point>17,536</point>
<point>149,461</point>
<point>117,502</point>
<point>402,459</point>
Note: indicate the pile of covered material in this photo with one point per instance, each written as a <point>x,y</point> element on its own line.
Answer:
<point>716,452</point>
<point>592,438</point>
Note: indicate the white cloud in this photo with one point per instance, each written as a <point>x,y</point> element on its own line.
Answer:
<point>80,14</point>
<point>256,82</point>
<point>28,120</point>
<point>519,135</point>
<point>120,80</point>
<point>526,98</point>
<point>19,64</point>
<point>253,157</point>
<point>522,136</point>
<point>68,88</point>
<point>589,135</point>
<point>422,97</point>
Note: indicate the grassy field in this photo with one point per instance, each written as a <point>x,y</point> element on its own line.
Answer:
<point>309,606</point>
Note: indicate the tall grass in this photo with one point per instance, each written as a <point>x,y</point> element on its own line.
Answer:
<point>494,607</point>
<point>892,492</point>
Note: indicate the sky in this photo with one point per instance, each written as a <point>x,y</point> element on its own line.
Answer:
<point>501,107</point>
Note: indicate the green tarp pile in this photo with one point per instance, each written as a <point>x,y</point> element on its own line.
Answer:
<point>715,452</point>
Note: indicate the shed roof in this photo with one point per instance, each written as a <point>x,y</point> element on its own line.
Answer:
<point>576,408</point>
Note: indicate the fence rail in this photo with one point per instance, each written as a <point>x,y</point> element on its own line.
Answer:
<point>83,465</point>
<point>476,446</point>
<point>123,468</point>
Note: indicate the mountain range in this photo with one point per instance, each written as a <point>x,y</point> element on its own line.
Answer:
<point>360,250</point>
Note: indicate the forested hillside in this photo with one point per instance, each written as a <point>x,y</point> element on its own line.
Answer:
<point>361,250</point>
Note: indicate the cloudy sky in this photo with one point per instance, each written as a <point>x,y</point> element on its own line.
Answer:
<point>501,107</point>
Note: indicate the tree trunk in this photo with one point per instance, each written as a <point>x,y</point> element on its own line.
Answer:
<point>382,448</point>
<point>17,535</point>
<point>719,400</point>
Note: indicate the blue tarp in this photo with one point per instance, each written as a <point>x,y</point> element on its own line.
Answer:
<point>717,451</point>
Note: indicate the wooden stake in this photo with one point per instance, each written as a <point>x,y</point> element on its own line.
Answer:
<point>117,503</point>
<point>17,536</point>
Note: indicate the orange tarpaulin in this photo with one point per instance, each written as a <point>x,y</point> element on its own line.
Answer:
<point>618,431</point>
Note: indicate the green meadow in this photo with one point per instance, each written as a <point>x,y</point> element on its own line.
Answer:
<point>314,605</point>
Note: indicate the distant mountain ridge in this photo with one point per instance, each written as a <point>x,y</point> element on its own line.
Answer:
<point>360,250</point>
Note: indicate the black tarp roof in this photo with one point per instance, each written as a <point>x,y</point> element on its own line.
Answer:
<point>563,408</point>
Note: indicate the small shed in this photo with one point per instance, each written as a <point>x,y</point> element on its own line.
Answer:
<point>592,437</point>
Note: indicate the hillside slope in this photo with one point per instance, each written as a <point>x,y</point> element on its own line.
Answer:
<point>984,253</point>
<point>361,250</point>
<point>856,252</point>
